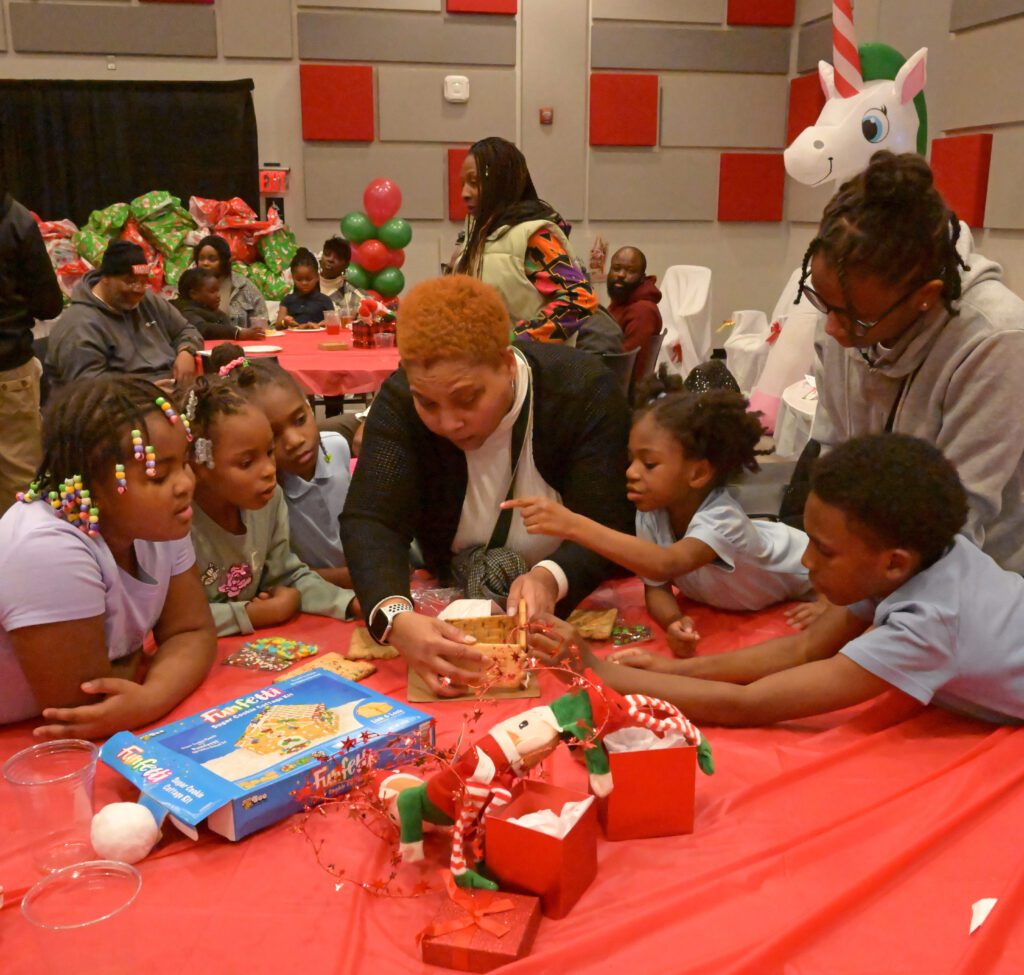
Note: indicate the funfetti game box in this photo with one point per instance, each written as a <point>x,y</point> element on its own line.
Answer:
<point>252,761</point>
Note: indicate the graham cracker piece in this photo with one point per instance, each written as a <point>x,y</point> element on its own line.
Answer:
<point>594,624</point>
<point>336,664</point>
<point>363,647</point>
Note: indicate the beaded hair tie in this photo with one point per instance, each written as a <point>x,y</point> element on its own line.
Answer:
<point>240,363</point>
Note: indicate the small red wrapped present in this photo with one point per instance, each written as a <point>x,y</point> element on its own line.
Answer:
<point>478,930</point>
<point>557,869</point>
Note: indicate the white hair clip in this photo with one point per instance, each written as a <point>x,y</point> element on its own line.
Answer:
<point>202,450</point>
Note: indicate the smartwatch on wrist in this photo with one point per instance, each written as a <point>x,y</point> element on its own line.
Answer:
<point>383,614</point>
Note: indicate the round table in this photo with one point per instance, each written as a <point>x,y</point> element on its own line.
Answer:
<point>796,414</point>
<point>322,373</point>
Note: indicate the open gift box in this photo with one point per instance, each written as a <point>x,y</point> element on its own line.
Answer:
<point>557,869</point>
<point>652,793</point>
<point>479,930</point>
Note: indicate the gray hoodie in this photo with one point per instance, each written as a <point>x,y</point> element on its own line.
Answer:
<point>91,339</point>
<point>954,381</point>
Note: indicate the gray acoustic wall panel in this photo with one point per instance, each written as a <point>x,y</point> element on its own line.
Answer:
<point>651,184</point>
<point>411,105</point>
<point>3,32</point>
<point>256,28</point>
<point>814,44</point>
<point>984,77</point>
<point>156,29</point>
<point>410,38</point>
<point>335,177</point>
<point>677,11</point>
<point>737,111</point>
<point>557,153</point>
<point>434,5</point>
<point>971,13</point>
<point>659,47</point>
<point>805,204</point>
<point>1004,207</point>
<point>812,10</point>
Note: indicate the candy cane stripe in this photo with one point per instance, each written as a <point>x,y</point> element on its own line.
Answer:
<point>845,59</point>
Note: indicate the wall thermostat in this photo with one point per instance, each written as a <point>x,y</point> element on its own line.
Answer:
<point>456,88</point>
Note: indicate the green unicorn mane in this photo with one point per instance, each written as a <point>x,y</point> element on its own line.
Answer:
<point>879,62</point>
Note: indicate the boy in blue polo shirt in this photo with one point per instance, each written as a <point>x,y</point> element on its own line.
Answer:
<point>916,607</point>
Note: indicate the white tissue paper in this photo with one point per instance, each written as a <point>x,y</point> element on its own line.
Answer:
<point>980,911</point>
<point>642,740</point>
<point>550,823</point>
<point>468,609</point>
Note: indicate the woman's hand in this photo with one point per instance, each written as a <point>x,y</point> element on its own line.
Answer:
<point>278,605</point>
<point>437,651</point>
<point>682,637</point>
<point>542,516</point>
<point>537,588</point>
<point>251,333</point>
<point>125,705</point>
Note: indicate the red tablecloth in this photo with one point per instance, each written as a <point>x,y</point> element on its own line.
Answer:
<point>347,372</point>
<point>852,844</point>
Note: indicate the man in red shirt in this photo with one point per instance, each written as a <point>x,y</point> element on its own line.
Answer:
<point>635,300</point>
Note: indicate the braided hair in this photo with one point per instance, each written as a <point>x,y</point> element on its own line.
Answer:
<point>507,198</point>
<point>257,374</point>
<point>890,222</point>
<point>715,425</point>
<point>86,427</point>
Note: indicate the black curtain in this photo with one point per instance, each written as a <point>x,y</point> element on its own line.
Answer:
<point>70,147</point>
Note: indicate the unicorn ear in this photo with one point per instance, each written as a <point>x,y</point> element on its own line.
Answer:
<point>912,76</point>
<point>827,77</point>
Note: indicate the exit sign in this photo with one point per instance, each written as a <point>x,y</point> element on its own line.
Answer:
<point>273,180</point>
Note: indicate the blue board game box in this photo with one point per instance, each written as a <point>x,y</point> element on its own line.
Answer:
<point>253,760</point>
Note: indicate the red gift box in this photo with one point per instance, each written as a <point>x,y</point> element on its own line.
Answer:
<point>478,930</point>
<point>521,859</point>
<point>652,793</point>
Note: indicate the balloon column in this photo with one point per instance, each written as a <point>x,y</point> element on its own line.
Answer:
<point>378,237</point>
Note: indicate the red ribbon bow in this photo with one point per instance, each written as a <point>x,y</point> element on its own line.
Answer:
<point>475,914</point>
<point>776,331</point>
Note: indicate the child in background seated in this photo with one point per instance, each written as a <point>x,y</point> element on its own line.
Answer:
<point>690,531</point>
<point>307,303</point>
<point>917,607</point>
<point>240,532</point>
<point>334,261</point>
<point>199,301</point>
<point>312,467</point>
<point>79,595</point>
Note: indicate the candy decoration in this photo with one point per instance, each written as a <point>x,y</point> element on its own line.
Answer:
<point>122,480</point>
<point>137,449</point>
<point>623,635</point>
<point>271,653</point>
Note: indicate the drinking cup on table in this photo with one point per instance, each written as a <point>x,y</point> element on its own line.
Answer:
<point>347,320</point>
<point>332,322</point>
<point>384,340</point>
<point>257,321</point>
<point>82,919</point>
<point>52,785</point>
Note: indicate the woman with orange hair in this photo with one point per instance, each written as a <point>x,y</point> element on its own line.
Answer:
<point>467,422</point>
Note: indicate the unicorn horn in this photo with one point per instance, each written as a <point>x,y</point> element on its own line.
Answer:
<point>845,58</point>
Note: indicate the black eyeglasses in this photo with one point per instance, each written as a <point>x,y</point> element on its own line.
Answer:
<point>859,325</point>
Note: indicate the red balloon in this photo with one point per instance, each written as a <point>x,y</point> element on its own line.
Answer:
<point>374,294</point>
<point>381,200</point>
<point>372,255</point>
<point>396,258</point>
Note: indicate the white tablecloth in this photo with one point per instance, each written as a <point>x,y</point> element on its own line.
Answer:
<point>796,413</point>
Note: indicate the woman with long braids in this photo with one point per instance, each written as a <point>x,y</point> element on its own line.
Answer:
<point>98,554</point>
<point>519,244</point>
<point>920,336</point>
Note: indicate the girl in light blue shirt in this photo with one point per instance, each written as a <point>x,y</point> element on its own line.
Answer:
<point>691,533</point>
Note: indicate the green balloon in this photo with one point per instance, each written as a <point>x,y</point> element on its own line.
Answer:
<point>357,227</point>
<point>395,233</point>
<point>389,282</point>
<point>357,277</point>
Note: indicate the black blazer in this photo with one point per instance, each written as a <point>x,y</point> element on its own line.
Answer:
<point>411,483</point>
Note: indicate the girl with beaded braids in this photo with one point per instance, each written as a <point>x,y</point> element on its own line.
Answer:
<point>240,531</point>
<point>690,531</point>
<point>920,336</point>
<point>96,556</point>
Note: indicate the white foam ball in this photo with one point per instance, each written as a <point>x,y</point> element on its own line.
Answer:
<point>124,831</point>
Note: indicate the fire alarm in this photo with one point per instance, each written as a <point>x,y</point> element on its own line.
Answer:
<point>456,88</point>
<point>547,116</point>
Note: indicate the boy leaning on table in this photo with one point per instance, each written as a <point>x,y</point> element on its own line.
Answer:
<point>917,607</point>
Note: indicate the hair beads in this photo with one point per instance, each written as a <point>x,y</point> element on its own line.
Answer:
<point>75,506</point>
<point>32,494</point>
<point>137,449</point>
<point>150,461</point>
<point>119,476</point>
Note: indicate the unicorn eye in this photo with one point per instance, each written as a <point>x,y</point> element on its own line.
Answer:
<point>875,125</point>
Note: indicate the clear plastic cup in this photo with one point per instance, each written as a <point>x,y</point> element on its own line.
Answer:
<point>332,322</point>
<point>82,920</point>
<point>52,784</point>
<point>258,321</point>
<point>384,340</point>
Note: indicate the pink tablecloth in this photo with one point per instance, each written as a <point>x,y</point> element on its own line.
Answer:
<point>347,372</point>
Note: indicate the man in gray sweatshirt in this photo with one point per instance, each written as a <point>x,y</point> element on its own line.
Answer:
<point>116,324</point>
<point>953,380</point>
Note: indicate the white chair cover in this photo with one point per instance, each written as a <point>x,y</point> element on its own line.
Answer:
<point>746,348</point>
<point>686,314</point>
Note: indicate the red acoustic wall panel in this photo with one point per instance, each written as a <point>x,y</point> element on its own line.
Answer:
<point>623,109</point>
<point>456,208</point>
<point>761,13</point>
<point>507,7</point>
<point>960,164</point>
<point>337,102</point>
<point>806,100</point>
<point>750,186</point>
